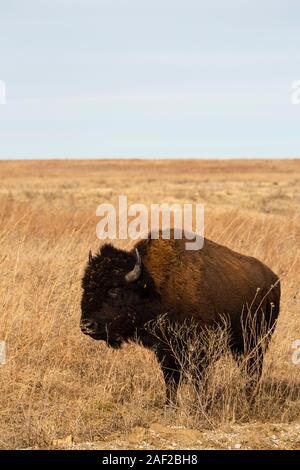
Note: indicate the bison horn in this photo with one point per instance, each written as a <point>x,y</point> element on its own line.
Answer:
<point>133,275</point>
<point>90,256</point>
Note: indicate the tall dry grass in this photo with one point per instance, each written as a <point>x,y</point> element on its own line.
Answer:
<point>58,382</point>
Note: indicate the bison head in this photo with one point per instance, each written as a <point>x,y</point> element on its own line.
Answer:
<point>118,294</point>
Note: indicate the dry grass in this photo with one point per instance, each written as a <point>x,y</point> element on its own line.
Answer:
<point>57,382</point>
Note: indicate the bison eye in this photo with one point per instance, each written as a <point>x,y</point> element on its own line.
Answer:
<point>113,293</point>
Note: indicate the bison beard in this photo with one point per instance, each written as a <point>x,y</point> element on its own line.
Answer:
<point>123,292</point>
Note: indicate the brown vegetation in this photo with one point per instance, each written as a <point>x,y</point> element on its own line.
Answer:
<point>56,381</point>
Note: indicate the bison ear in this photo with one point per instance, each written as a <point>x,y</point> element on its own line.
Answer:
<point>90,256</point>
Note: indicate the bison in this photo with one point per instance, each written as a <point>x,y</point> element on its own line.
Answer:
<point>124,291</point>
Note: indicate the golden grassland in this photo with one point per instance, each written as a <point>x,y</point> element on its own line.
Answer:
<point>57,382</point>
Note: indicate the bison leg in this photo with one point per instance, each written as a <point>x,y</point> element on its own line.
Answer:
<point>171,371</point>
<point>254,365</point>
<point>172,379</point>
<point>174,375</point>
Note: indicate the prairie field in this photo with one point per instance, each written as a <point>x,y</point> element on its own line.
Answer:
<point>60,388</point>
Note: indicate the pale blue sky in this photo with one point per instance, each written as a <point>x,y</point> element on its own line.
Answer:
<point>159,78</point>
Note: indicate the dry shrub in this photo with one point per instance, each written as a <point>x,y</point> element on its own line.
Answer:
<point>214,384</point>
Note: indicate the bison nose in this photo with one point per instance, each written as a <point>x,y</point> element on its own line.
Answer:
<point>88,326</point>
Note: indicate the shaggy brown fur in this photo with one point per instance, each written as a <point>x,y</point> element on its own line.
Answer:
<point>202,287</point>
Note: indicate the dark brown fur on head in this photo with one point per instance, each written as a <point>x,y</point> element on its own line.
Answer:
<point>114,309</point>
